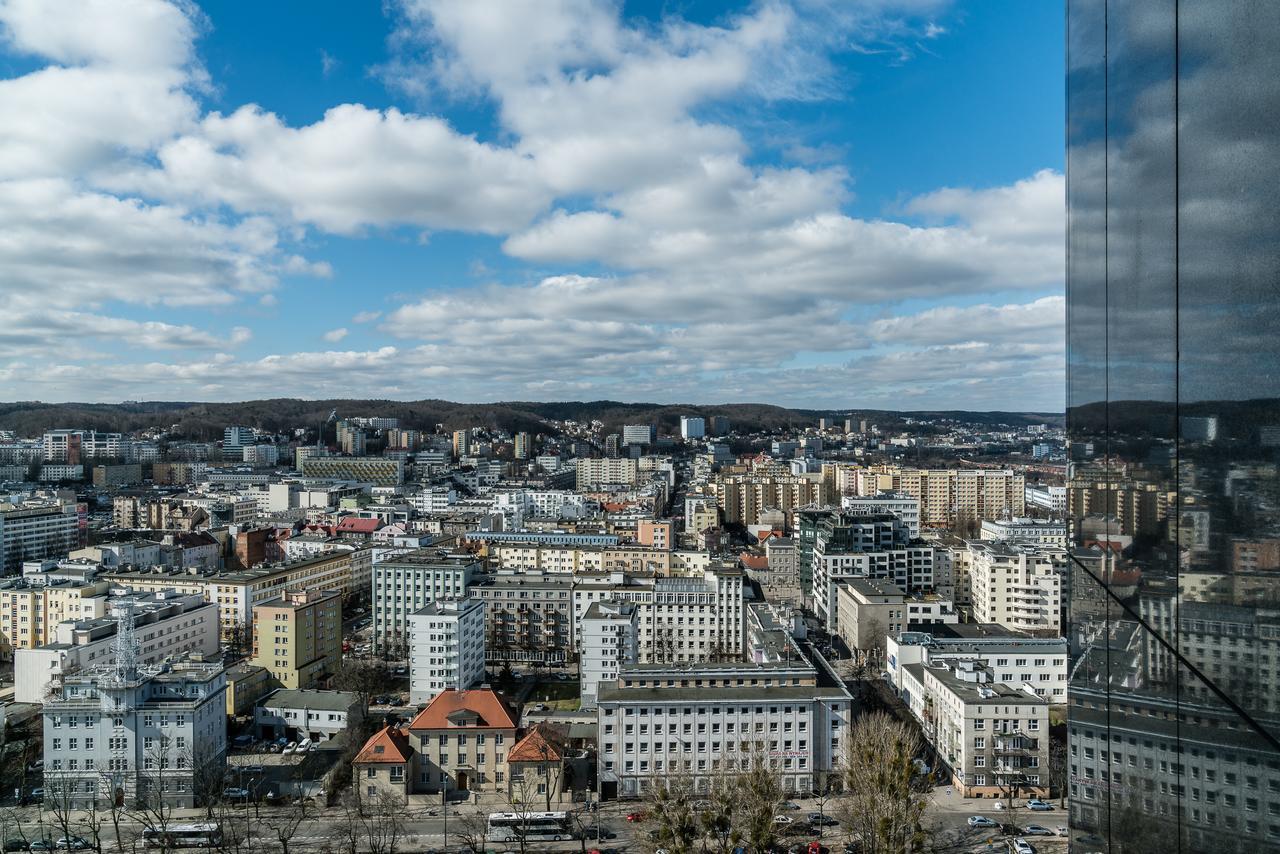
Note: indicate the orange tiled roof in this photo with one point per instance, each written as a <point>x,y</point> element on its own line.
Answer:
<point>750,561</point>
<point>487,706</point>
<point>540,744</point>
<point>386,745</point>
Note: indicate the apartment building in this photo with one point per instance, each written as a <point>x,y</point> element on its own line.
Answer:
<point>700,513</point>
<point>1042,531</point>
<point>446,648</point>
<point>627,558</point>
<point>32,533</point>
<point>31,608</point>
<point>1013,659</point>
<point>659,721</point>
<point>692,427</point>
<point>993,738</point>
<point>380,471</point>
<point>298,637</point>
<point>742,498</point>
<point>870,610</point>
<point>608,640</point>
<point>606,471</point>
<point>1019,585</point>
<point>905,507</point>
<point>236,593</point>
<point>404,584</point>
<point>840,547</point>
<point>75,446</point>
<point>528,617</point>
<point>948,494</point>
<point>166,625</point>
<point>136,733</point>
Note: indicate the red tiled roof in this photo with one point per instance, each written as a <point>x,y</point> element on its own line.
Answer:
<point>386,745</point>
<point>357,525</point>
<point>751,561</point>
<point>487,706</point>
<point>541,744</point>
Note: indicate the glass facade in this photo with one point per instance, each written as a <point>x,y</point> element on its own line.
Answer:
<point>1173,167</point>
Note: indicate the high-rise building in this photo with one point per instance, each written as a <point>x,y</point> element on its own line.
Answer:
<point>31,533</point>
<point>237,437</point>
<point>523,446</point>
<point>692,427</point>
<point>461,443</point>
<point>298,637</point>
<point>718,425</point>
<point>1173,257</point>
<point>446,648</point>
<point>638,434</point>
<point>612,444</point>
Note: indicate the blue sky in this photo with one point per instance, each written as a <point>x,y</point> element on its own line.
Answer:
<point>807,203</point>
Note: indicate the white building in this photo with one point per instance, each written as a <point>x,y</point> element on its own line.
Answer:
<point>605,472</point>
<point>992,738</point>
<point>130,732</point>
<point>433,499</point>
<point>31,533</point>
<point>1043,531</point>
<point>260,455</point>
<point>406,583</point>
<point>446,648</point>
<point>638,434</point>
<point>1018,585</point>
<point>607,642</point>
<point>1021,662</point>
<point>1050,498</point>
<point>306,713</point>
<point>692,427</point>
<point>237,437</point>
<point>866,547</point>
<point>905,507</point>
<point>166,625</point>
<point>74,446</point>
<point>659,722</point>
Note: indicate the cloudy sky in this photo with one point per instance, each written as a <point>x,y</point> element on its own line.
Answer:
<point>812,203</point>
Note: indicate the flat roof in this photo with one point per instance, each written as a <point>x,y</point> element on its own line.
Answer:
<point>310,698</point>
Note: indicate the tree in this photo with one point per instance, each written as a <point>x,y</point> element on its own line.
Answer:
<point>672,813</point>
<point>880,806</point>
<point>363,678</point>
<point>759,794</point>
<point>1058,766</point>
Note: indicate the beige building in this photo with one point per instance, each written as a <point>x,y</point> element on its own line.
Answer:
<point>1018,585</point>
<point>948,494</point>
<point>462,739</point>
<point>237,593</point>
<point>29,613</point>
<point>869,610</point>
<point>298,637</point>
<point>743,497</point>
<point>571,559</point>
<point>384,767</point>
<point>606,472</point>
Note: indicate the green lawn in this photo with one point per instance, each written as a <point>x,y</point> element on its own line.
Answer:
<point>559,695</point>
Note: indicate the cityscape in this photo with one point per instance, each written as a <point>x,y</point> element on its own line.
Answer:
<point>601,427</point>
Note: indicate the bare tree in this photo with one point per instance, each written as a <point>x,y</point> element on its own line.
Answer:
<point>880,806</point>
<point>1058,765</point>
<point>759,795</point>
<point>670,805</point>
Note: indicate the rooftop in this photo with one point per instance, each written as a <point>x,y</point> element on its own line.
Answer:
<point>300,698</point>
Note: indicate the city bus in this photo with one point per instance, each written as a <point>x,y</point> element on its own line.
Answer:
<point>531,826</point>
<point>200,835</point>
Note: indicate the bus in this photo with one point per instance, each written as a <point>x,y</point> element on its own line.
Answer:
<point>200,835</point>
<point>531,826</point>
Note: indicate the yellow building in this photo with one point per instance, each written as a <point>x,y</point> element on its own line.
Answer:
<point>298,637</point>
<point>30,612</point>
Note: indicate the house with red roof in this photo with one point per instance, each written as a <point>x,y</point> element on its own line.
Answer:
<point>385,766</point>
<point>540,768</point>
<point>358,526</point>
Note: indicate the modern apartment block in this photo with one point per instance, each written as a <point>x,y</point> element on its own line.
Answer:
<point>992,738</point>
<point>839,547</point>
<point>946,495</point>
<point>905,507</point>
<point>1019,585</point>
<point>608,640</point>
<point>1172,309</point>
<point>692,427</point>
<point>405,584</point>
<point>593,473</point>
<point>1043,531</point>
<point>1013,659</point>
<point>131,733</point>
<point>380,471</point>
<point>31,533</point>
<point>868,611</point>
<point>743,497</point>
<point>528,617</point>
<point>446,648</point>
<point>639,434</point>
<point>298,637</point>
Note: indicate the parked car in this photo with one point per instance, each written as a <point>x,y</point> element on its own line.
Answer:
<point>1038,805</point>
<point>396,701</point>
<point>38,765</point>
<point>636,816</point>
<point>1022,846</point>
<point>788,805</point>
<point>1036,830</point>
<point>37,794</point>
<point>819,819</point>
<point>982,821</point>
<point>233,793</point>
<point>72,843</point>
<point>254,770</point>
<point>305,744</point>
<point>41,845</point>
<point>783,819</point>
<point>15,844</point>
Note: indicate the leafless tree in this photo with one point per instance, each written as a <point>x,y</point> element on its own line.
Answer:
<point>471,830</point>
<point>880,805</point>
<point>670,806</point>
<point>1058,767</point>
<point>381,821</point>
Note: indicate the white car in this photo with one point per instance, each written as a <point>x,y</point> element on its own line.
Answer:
<point>1022,846</point>
<point>782,819</point>
<point>290,747</point>
<point>998,805</point>
<point>305,744</point>
<point>982,821</point>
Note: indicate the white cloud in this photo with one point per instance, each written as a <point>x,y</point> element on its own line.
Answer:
<point>335,335</point>
<point>366,316</point>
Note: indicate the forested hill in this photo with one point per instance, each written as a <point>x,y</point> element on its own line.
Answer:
<point>205,421</point>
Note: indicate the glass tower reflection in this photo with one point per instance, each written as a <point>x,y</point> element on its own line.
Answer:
<point>1173,316</point>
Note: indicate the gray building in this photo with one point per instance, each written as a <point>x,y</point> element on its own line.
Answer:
<point>407,583</point>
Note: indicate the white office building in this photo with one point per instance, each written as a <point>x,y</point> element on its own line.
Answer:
<point>129,732</point>
<point>607,642</point>
<point>904,506</point>
<point>692,427</point>
<point>446,648</point>
<point>638,434</point>
<point>237,437</point>
<point>1018,585</point>
<point>1043,531</point>
<point>1039,664</point>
